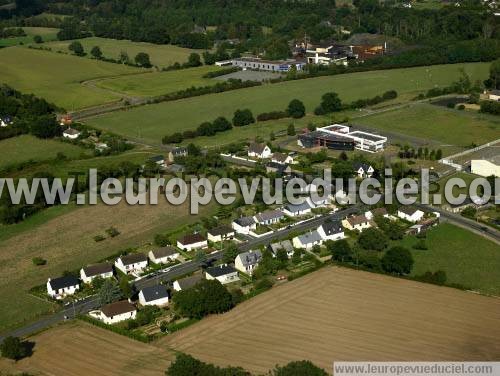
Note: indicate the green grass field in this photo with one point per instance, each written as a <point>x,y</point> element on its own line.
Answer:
<point>461,128</point>
<point>58,77</point>
<point>25,148</point>
<point>47,33</point>
<point>158,83</point>
<point>154,121</point>
<point>468,259</point>
<point>160,55</point>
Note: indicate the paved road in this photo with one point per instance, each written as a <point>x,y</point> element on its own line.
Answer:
<point>91,303</point>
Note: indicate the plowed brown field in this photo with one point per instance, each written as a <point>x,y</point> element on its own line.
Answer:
<point>342,314</point>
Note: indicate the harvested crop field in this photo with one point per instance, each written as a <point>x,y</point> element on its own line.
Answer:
<point>79,349</point>
<point>343,314</point>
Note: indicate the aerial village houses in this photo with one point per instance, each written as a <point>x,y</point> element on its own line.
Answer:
<point>357,222</point>
<point>154,296</point>
<point>71,133</point>
<point>378,212</point>
<point>331,230</point>
<point>192,241</point>
<point>103,270</point>
<point>282,158</point>
<point>223,273</point>
<point>132,263</point>
<point>308,240</point>
<point>58,288</point>
<point>176,152</point>
<point>269,217</point>
<point>163,255</point>
<point>410,213</point>
<point>297,210</point>
<point>244,225</point>
<point>118,311</point>
<point>363,170</point>
<point>260,151</point>
<point>220,233</point>
<point>246,262</point>
<point>187,282</point>
<point>285,244</point>
<point>278,168</point>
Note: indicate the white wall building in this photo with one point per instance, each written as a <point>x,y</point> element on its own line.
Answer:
<point>244,225</point>
<point>410,214</point>
<point>163,255</point>
<point>154,295</point>
<point>364,141</point>
<point>132,263</point>
<point>246,262</point>
<point>222,273</point>
<point>90,272</point>
<point>58,288</point>
<point>117,312</point>
<point>192,241</point>
<point>484,167</point>
<point>260,151</point>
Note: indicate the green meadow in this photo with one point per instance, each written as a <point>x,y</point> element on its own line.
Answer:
<point>47,33</point>
<point>57,77</point>
<point>151,122</point>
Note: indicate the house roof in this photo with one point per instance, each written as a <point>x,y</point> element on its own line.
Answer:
<point>310,237</point>
<point>154,293</point>
<point>98,269</point>
<point>62,282</point>
<point>358,165</point>
<point>256,148</point>
<point>244,221</point>
<point>332,227</point>
<point>408,210</point>
<point>250,257</point>
<point>133,258</point>
<point>192,239</point>
<point>297,208</point>
<point>157,158</point>
<point>279,167</point>
<point>269,215</point>
<point>280,157</point>
<point>285,244</point>
<point>495,92</point>
<point>357,220</point>
<point>117,308</point>
<point>164,252</point>
<point>188,282</point>
<point>71,131</point>
<point>220,230</point>
<point>220,270</point>
<point>379,211</point>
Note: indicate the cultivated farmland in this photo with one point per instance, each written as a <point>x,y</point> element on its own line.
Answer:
<point>25,148</point>
<point>460,128</point>
<point>57,77</point>
<point>79,349</point>
<point>160,55</point>
<point>342,314</point>
<point>165,118</point>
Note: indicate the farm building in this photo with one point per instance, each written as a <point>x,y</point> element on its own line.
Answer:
<point>246,262</point>
<point>132,263</point>
<point>163,255</point>
<point>103,270</point>
<point>154,295</point>
<point>222,273</point>
<point>268,65</point>
<point>58,288</point>
<point>192,241</point>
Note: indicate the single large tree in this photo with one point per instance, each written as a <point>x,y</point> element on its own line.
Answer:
<point>96,52</point>
<point>373,239</point>
<point>296,109</point>
<point>299,368</point>
<point>142,59</point>
<point>13,348</point>
<point>340,250</point>
<point>109,292</point>
<point>77,48</point>
<point>397,260</point>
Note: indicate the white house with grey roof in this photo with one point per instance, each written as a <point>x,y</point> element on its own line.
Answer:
<point>363,170</point>
<point>297,210</point>
<point>269,217</point>
<point>331,230</point>
<point>104,270</point>
<point>285,245</point>
<point>223,273</point>
<point>58,288</point>
<point>154,295</point>
<point>187,282</point>
<point>244,225</point>
<point>246,262</point>
<point>163,255</point>
<point>132,263</point>
<point>260,151</point>
<point>308,240</point>
<point>220,233</point>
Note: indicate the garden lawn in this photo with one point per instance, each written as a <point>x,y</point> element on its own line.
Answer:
<point>58,77</point>
<point>158,83</point>
<point>47,34</point>
<point>160,55</point>
<point>158,120</point>
<point>455,127</point>
<point>468,259</point>
<point>25,148</point>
